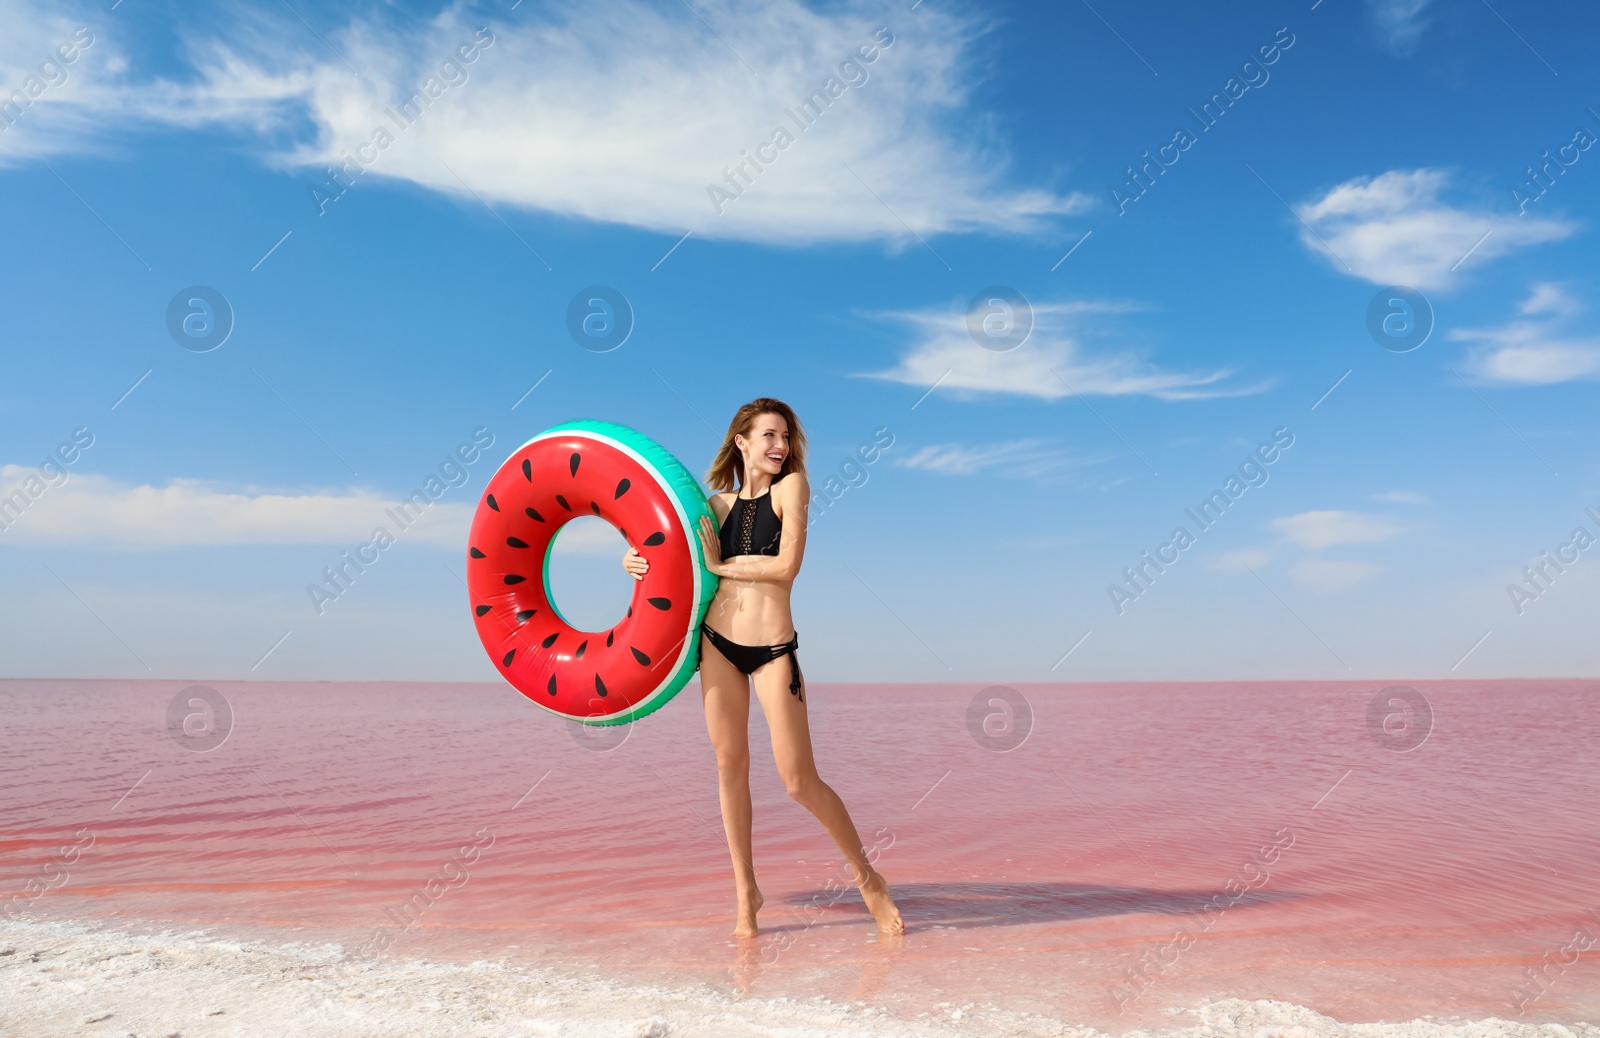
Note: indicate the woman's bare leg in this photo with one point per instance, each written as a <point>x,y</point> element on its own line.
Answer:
<point>726,694</point>
<point>791,749</point>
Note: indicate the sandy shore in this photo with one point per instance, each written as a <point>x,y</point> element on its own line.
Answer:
<point>63,978</point>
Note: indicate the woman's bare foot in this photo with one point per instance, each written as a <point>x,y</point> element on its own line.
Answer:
<point>746,925</point>
<point>875,892</point>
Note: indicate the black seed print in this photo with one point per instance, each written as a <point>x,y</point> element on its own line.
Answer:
<point>552,686</point>
<point>599,687</point>
<point>563,502</point>
<point>641,657</point>
<point>492,502</point>
<point>572,462</point>
<point>481,610</point>
<point>661,603</point>
<point>478,554</point>
<point>527,470</point>
<point>595,508</point>
<point>512,578</point>
<point>550,640</point>
<point>581,647</point>
<point>622,488</point>
<point>608,639</point>
<point>523,616</point>
<point>630,611</point>
<point>507,661</point>
<point>516,542</point>
<point>654,539</point>
<point>535,516</point>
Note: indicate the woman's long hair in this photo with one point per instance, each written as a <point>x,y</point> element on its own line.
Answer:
<point>727,471</point>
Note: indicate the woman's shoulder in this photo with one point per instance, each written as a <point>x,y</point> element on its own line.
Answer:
<point>722,503</point>
<point>790,490</point>
<point>792,483</point>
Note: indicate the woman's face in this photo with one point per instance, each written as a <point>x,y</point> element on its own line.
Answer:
<point>767,446</point>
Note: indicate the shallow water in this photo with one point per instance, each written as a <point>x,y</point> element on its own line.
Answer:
<point>1067,877</point>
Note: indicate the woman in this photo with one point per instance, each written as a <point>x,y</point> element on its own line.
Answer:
<point>748,630</point>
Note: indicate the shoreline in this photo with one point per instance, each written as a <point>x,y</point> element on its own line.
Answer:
<point>65,977</point>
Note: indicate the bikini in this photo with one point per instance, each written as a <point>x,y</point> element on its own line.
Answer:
<point>752,528</point>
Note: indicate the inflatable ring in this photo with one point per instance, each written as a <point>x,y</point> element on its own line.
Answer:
<point>591,468</point>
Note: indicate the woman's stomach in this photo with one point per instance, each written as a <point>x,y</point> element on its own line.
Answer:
<point>751,612</point>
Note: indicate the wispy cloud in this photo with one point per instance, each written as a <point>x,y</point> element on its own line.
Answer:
<point>1402,497</point>
<point>1240,560</point>
<point>50,101</point>
<point>74,87</point>
<point>1399,23</point>
<point>1323,529</point>
<point>1021,459</point>
<point>1535,349</point>
<point>1051,363</point>
<point>1394,229</point>
<point>1332,574</point>
<point>1315,531</point>
<point>619,111</point>
<point>1549,298</point>
<point>94,512</point>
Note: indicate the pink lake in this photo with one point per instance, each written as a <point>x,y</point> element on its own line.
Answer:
<point>1068,876</point>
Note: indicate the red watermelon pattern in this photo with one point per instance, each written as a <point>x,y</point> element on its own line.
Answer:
<point>579,674</point>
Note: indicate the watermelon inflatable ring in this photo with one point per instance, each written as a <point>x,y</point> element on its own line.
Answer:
<point>591,468</point>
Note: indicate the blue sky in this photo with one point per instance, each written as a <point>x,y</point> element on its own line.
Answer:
<point>1175,325</point>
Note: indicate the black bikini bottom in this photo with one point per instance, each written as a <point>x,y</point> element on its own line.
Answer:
<point>748,657</point>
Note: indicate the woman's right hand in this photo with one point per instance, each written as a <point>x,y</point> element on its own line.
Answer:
<point>635,564</point>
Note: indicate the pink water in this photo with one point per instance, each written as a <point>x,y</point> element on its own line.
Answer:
<point>1416,883</point>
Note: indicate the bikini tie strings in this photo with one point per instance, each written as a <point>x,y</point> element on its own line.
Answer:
<point>795,683</point>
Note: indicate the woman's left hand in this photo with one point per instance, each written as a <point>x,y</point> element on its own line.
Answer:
<point>711,545</point>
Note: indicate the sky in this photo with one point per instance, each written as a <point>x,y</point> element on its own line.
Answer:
<point>1326,265</point>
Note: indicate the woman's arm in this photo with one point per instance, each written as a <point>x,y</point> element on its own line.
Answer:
<point>637,565</point>
<point>794,496</point>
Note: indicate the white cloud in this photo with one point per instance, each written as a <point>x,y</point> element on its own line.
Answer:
<point>94,512</point>
<point>91,92</point>
<point>621,111</point>
<point>1331,575</point>
<point>98,513</point>
<point>1048,362</point>
<point>628,112</point>
<point>1025,459</point>
<point>1534,350</point>
<point>1323,529</point>
<point>49,100</point>
<point>1403,497</point>
<point>1547,298</point>
<point>1540,363</point>
<point>1393,229</point>
<point>1241,560</point>
<point>1399,23</point>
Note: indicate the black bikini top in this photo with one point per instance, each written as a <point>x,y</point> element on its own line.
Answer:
<point>752,528</point>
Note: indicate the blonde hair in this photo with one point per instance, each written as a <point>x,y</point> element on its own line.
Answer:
<point>727,471</point>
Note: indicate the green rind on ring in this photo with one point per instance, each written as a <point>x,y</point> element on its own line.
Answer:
<point>692,503</point>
